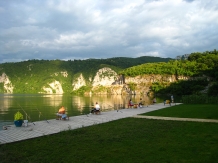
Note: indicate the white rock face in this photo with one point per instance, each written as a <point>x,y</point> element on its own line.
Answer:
<point>8,87</point>
<point>79,82</point>
<point>47,90</point>
<point>105,76</point>
<point>55,87</point>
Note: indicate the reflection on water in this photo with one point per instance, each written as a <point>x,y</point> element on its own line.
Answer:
<point>45,106</point>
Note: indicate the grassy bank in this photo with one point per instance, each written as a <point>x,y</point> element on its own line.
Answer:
<point>204,111</point>
<point>125,140</point>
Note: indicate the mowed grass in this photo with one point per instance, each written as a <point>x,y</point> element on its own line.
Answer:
<point>126,140</point>
<point>202,111</point>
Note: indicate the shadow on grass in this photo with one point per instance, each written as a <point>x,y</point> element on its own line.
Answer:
<point>202,111</point>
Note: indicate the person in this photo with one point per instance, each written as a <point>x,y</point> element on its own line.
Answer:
<point>154,100</point>
<point>96,108</point>
<point>140,103</point>
<point>62,113</point>
<point>172,99</point>
<point>62,110</point>
<point>130,103</point>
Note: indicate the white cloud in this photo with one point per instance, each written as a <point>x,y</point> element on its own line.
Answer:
<point>57,29</point>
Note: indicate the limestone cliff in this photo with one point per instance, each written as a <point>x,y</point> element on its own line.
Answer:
<point>141,84</point>
<point>54,87</point>
<point>78,82</point>
<point>7,85</point>
<point>105,76</point>
<point>105,81</point>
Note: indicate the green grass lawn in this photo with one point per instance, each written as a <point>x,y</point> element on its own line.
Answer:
<point>205,111</point>
<point>128,140</point>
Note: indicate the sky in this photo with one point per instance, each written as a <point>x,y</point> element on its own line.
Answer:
<point>83,29</point>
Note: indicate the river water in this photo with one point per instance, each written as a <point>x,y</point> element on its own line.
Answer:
<point>36,107</point>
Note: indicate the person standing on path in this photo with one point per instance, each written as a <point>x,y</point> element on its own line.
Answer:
<point>172,99</point>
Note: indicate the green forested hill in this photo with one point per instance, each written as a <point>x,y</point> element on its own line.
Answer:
<point>196,64</point>
<point>32,75</point>
<point>203,65</point>
<point>29,76</point>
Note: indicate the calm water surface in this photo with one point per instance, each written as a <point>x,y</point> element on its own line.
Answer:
<point>45,106</point>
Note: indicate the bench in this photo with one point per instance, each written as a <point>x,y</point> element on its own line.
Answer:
<point>93,111</point>
<point>97,112</point>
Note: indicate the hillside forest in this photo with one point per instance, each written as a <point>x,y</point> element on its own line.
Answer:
<point>30,76</point>
<point>200,70</point>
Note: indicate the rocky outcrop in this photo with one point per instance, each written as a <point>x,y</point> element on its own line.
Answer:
<point>8,87</point>
<point>144,82</point>
<point>79,82</point>
<point>151,79</point>
<point>141,84</point>
<point>105,81</point>
<point>105,77</point>
<point>54,87</point>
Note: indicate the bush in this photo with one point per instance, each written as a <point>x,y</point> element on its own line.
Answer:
<point>213,90</point>
<point>199,99</point>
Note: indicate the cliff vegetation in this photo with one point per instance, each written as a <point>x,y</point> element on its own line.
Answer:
<point>194,73</point>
